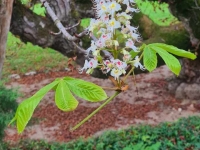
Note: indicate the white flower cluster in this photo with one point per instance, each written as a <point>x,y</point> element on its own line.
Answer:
<point>115,35</point>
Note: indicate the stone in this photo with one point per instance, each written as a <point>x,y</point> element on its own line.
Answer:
<point>31,73</point>
<point>67,69</point>
<point>14,76</point>
<point>179,94</point>
<point>192,91</point>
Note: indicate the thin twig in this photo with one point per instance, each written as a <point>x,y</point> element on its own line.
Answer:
<point>62,29</point>
<point>80,48</point>
<point>69,28</point>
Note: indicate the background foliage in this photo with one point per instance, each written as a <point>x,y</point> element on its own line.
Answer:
<point>8,106</point>
<point>181,135</point>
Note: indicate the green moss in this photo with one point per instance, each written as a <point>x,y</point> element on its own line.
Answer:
<point>178,38</point>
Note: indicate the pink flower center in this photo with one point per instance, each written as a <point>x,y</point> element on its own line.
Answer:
<point>130,43</point>
<point>104,36</point>
<point>119,63</point>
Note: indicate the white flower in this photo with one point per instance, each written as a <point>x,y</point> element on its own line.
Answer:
<point>89,64</point>
<point>93,63</point>
<point>102,9</point>
<point>85,67</point>
<point>131,29</point>
<point>92,48</point>
<point>137,63</point>
<point>130,44</point>
<point>105,37</point>
<point>95,24</point>
<point>100,43</point>
<point>122,17</point>
<point>113,24</point>
<point>130,9</point>
<point>114,6</point>
<point>119,64</point>
<point>128,1</point>
<point>126,56</point>
<point>108,65</point>
<point>116,73</point>
<point>135,36</point>
<point>105,18</point>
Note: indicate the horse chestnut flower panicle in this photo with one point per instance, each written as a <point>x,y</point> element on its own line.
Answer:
<point>114,35</point>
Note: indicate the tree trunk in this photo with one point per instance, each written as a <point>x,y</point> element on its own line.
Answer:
<point>36,29</point>
<point>187,85</point>
<point>5,17</point>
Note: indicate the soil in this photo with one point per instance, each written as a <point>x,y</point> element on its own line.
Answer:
<point>147,102</point>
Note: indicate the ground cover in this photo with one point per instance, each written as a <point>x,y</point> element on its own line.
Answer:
<point>161,137</point>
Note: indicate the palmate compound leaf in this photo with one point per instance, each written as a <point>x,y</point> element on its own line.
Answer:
<point>64,98</point>
<point>26,108</point>
<point>86,90</point>
<point>172,62</point>
<point>174,50</point>
<point>149,59</point>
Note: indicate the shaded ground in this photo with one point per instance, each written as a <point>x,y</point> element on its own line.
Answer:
<point>152,104</point>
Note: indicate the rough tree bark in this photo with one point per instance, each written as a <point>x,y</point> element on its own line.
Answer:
<point>36,29</point>
<point>5,17</point>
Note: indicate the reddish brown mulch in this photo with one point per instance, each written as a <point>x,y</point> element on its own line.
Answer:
<point>42,76</point>
<point>117,114</point>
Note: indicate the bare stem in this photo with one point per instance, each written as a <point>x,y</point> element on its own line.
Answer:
<point>124,80</point>
<point>109,88</point>
<point>94,112</point>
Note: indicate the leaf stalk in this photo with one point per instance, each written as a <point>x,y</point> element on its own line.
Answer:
<point>95,111</point>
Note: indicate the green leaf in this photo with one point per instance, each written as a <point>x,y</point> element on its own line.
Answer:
<point>174,50</point>
<point>64,98</point>
<point>172,62</point>
<point>155,146</point>
<point>85,22</point>
<point>127,148</point>
<point>86,90</point>
<point>26,108</point>
<point>150,59</point>
<point>133,53</point>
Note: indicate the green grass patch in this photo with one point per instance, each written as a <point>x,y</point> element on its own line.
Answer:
<point>181,135</point>
<point>22,58</point>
